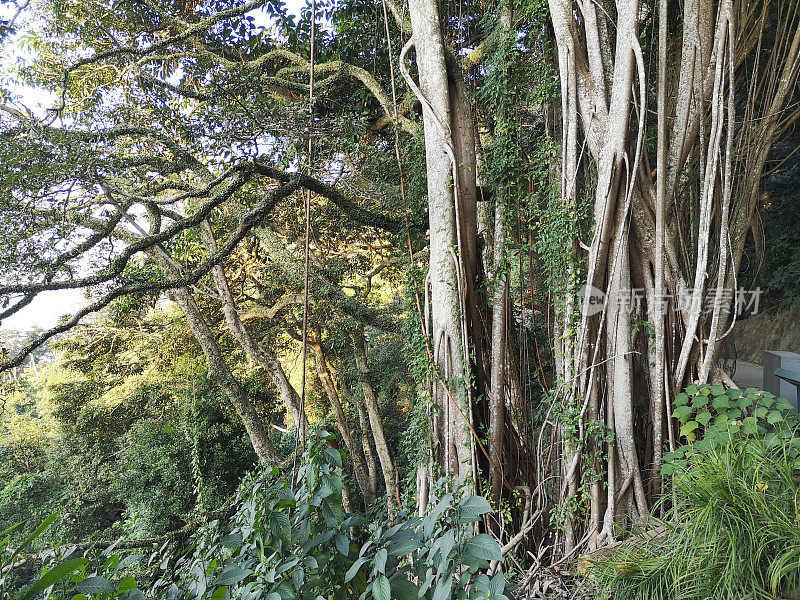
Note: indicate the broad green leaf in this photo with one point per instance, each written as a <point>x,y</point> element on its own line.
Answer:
<point>403,589</point>
<point>219,593</point>
<point>405,542</point>
<point>381,588</point>
<point>94,585</point>
<point>497,585</point>
<point>380,560</point>
<point>232,574</point>
<point>471,508</point>
<point>682,413</point>
<point>351,572</point>
<point>127,584</point>
<point>280,526</point>
<point>343,544</point>
<point>444,588</point>
<point>774,416</point>
<point>700,400</point>
<point>721,402</point>
<point>54,575</point>
<point>689,427</point>
<point>231,540</point>
<point>681,399</point>
<point>483,546</point>
<point>703,418</point>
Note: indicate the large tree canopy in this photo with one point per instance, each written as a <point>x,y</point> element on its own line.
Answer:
<point>448,177</point>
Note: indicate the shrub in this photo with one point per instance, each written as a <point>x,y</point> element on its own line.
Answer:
<point>733,530</point>
<point>292,544</point>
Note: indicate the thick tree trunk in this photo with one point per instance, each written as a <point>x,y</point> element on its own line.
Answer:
<point>664,231</point>
<point>448,286</point>
<point>497,399</point>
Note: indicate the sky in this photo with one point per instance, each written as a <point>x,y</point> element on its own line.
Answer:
<point>47,308</point>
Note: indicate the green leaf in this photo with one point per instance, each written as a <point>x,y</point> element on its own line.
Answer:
<point>721,402</point>
<point>343,544</point>
<point>381,588</point>
<point>692,390</point>
<point>127,584</point>
<point>471,508</point>
<point>444,588</point>
<point>281,527</point>
<point>45,525</point>
<point>351,572</point>
<point>380,560</point>
<point>94,585</point>
<point>703,418</point>
<point>700,400</point>
<point>497,585</point>
<point>682,413</point>
<point>750,424</point>
<point>774,416</point>
<point>689,427</point>
<point>404,542</point>
<point>231,540</point>
<point>483,546</point>
<point>232,574</point>
<point>766,399</point>
<point>54,575</point>
<point>718,390</point>
<point>403,589</point>
<point>721,421</point>
<point>219,593</point>
<point>681,399</point>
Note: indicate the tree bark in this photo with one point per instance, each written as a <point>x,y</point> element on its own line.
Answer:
<point>325,377</point>
<point>258,353</point>
<point>376,423</point>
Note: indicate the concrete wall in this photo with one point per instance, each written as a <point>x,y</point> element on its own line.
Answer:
<point>771,330</point>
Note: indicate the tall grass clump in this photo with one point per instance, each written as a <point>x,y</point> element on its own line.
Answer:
<point>732,527</point>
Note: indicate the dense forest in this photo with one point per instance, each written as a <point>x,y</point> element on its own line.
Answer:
<point>396,300</point>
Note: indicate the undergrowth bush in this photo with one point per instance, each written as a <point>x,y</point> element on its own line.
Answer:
<point>294,544</point>
<point>733,528</point>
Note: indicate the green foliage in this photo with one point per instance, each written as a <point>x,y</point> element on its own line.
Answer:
<point>593,448</point>
<point>733,530</point>
<point>286,543</point>
<point>711,416</point>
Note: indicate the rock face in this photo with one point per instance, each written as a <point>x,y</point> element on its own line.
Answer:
<point>770,330</point>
